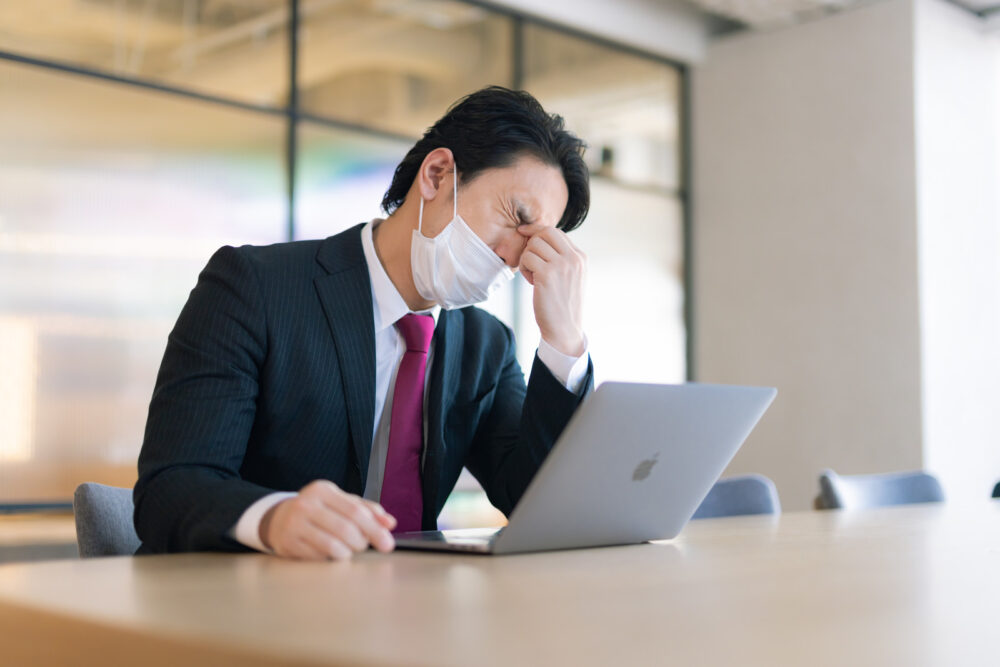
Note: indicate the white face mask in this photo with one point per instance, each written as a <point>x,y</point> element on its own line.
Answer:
<point>455,268</point>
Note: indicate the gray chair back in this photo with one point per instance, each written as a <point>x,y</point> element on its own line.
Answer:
<point>865,491</point>
<point>104,521</point>
<point>746,494</point>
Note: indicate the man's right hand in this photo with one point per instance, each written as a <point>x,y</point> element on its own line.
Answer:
<point>325,523</point>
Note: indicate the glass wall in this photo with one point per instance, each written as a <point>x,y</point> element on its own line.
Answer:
<point>114,195</point>
<point>341,177</point>
<point>397,66</point>
<point>236,49</point>
<point>627,108</point>
<point>112,198</point>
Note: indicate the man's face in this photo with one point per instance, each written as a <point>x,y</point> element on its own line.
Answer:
<point>507,206</point>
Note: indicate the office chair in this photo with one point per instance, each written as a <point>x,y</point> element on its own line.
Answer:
<point>103,517</point>
<point>867,491</point>
<point>747,494</point>
<point>996,490</point>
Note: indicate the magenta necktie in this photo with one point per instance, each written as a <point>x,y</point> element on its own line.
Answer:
<point>401,488</point>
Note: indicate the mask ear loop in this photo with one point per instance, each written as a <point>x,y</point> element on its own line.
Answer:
<point>420,218</point>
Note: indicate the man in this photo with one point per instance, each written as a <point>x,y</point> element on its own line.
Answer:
<point>315,396</point>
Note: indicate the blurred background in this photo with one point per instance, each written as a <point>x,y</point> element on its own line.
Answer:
<point>798,193</point>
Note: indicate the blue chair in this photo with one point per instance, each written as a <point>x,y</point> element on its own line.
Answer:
<point>866,491</point>
<point>103,517</point>
<point>746,494</point>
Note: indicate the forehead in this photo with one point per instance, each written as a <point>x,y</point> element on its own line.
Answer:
<point>529,183</point>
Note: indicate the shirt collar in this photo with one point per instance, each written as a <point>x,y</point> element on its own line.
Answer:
<point>388,305</point>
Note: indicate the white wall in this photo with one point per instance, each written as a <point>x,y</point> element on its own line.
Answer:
<point>805,244</point>
<point>958,179</point>
<point>669,28</point>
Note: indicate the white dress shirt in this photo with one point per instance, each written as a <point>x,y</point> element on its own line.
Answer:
<point>389,306</point>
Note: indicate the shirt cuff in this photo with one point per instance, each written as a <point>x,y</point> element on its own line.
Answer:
<point>247,529</point>
<point>570,371</point>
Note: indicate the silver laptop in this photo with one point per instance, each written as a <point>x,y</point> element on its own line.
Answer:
<point>632,465</point>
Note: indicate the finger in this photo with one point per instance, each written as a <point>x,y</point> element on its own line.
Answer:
<point>331,496</point>
<point>383,517</point>
<point>542,248</point>
<point>329,509</point>
<point>326,545</point>
<point>334,524</point>
<point>299,549</point>
<point>533,263</point>
<point>357,512</point>
<point>528,275</point>
<point>556,238</point>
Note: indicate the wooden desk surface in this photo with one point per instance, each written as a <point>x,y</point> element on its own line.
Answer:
<point>916,585</point>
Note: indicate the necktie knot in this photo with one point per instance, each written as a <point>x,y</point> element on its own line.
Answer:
<point>417,331</point>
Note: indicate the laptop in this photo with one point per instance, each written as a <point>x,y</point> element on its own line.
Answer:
<point>632,465</point>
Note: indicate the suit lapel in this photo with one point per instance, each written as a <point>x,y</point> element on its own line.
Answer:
<point>444,378</point>
<point>347,303</point>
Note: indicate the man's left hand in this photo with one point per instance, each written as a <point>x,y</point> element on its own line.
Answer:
<point>557,270</point>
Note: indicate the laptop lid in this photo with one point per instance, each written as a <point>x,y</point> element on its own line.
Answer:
<point>633,464</point>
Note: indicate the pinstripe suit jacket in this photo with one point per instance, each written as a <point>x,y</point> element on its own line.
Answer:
<point>268,383</point>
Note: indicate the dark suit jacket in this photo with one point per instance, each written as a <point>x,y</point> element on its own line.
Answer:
<point>268,383</point>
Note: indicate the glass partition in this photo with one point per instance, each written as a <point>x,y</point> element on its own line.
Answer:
<point>113,196</point>
<point>342,176</point>
<point>627,109</point>
<point>237,49</point>
<point>396,66</point>
<point>111,201</point>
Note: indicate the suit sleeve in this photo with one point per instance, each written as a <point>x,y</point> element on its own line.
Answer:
<point>520,428</point>
<point>189,492</point>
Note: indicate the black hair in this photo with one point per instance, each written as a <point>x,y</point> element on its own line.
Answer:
<point>492,128</point>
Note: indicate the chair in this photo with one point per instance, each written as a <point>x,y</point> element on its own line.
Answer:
<point>996,490</point>
<point>104,521</point>
<point>866,491</point>
<point>746,494</point>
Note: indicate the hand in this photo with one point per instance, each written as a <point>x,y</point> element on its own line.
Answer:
<point>323,523</point>
<point>557,269</point>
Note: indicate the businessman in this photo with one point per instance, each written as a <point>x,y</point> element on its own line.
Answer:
<point>317,396</point>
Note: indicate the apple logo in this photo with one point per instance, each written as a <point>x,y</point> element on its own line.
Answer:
<point>644,468</point>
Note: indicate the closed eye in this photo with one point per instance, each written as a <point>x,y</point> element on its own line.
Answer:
<point>523,217</point>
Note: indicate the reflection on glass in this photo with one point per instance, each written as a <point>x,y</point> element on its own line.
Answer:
<point>396,65</point>
<point>627,110</point>
<point>111,201</point>
<point>231,48</point>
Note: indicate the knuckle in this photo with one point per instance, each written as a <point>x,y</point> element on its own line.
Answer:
<point>297,505</point>
<point>319,487</point>
<point>305,505</point>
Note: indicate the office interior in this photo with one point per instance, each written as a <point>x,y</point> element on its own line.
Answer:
<point>802,194</point>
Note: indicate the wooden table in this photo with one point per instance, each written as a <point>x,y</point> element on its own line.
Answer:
<point>916,585</point>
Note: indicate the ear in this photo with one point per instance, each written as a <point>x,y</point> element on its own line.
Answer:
<point>435,175</point>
